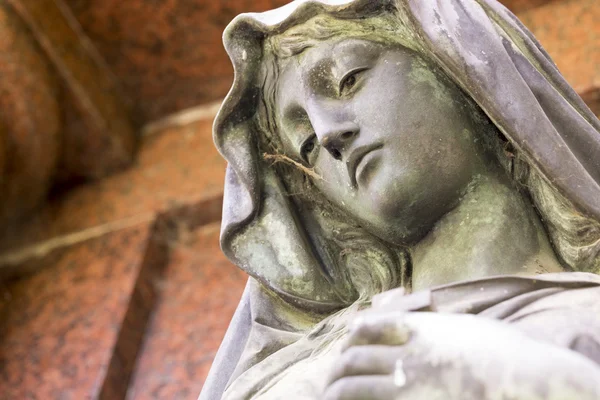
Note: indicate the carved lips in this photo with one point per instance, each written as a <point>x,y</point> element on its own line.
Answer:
<point>355,159</point>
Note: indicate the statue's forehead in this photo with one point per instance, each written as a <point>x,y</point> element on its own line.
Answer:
<point>318,70</point>
<point>341,50</point>
<point>278,15</point>
<point>331,56</point>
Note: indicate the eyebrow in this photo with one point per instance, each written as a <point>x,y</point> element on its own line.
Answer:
<point>320,76</point>
<point>348,51</point>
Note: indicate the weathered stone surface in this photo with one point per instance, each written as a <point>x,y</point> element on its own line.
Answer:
<point>427,193</point>
<point>198,295</point>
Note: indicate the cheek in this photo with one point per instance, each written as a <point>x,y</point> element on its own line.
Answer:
<point>395,186</point>
<point>333,180</point>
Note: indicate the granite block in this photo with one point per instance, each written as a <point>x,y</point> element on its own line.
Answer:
<point>198,295</point>
<point>167,54</point>
<point>61,329</point>
<point>98,135</point>
<point>177,166</point>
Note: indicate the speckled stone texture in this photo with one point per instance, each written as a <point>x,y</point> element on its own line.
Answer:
<point>60,327</point>
<point>199,293</point>
<point>176,166</point>
<point>75,329</point>
<point>167,54</point>
<point>98,256</point>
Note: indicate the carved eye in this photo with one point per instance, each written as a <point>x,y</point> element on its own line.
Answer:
<point>308,147</point>
<point>350,80</point>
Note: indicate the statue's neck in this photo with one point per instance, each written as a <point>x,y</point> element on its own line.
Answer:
<point>493,231</point>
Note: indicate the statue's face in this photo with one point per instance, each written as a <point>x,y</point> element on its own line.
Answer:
<point>389,135</point>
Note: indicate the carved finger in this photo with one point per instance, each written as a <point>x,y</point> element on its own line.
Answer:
<point>366,360</point>
<point>384,299</point>
<point>378,329</point>
<point>362,388</point>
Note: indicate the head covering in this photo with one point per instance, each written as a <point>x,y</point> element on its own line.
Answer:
<point>480,45</point>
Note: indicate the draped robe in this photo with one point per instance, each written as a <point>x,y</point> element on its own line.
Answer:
<point>288,302</point>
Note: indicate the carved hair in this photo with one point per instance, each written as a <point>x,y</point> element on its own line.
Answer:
<point>575,237</point>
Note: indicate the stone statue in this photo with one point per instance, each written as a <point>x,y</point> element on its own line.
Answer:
<point>414,190</point>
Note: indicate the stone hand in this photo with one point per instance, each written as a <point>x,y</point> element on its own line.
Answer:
<point>392,355</point>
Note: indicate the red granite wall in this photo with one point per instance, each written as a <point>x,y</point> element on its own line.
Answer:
<point>167,54</point>
<point>128,294</point>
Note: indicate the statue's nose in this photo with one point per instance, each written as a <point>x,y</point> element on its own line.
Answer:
<point>334,124</point>
<point>337,141</point>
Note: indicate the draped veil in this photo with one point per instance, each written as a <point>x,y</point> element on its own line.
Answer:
<point>484,49</point>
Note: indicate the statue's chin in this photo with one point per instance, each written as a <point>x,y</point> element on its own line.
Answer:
<point>398,231</point>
